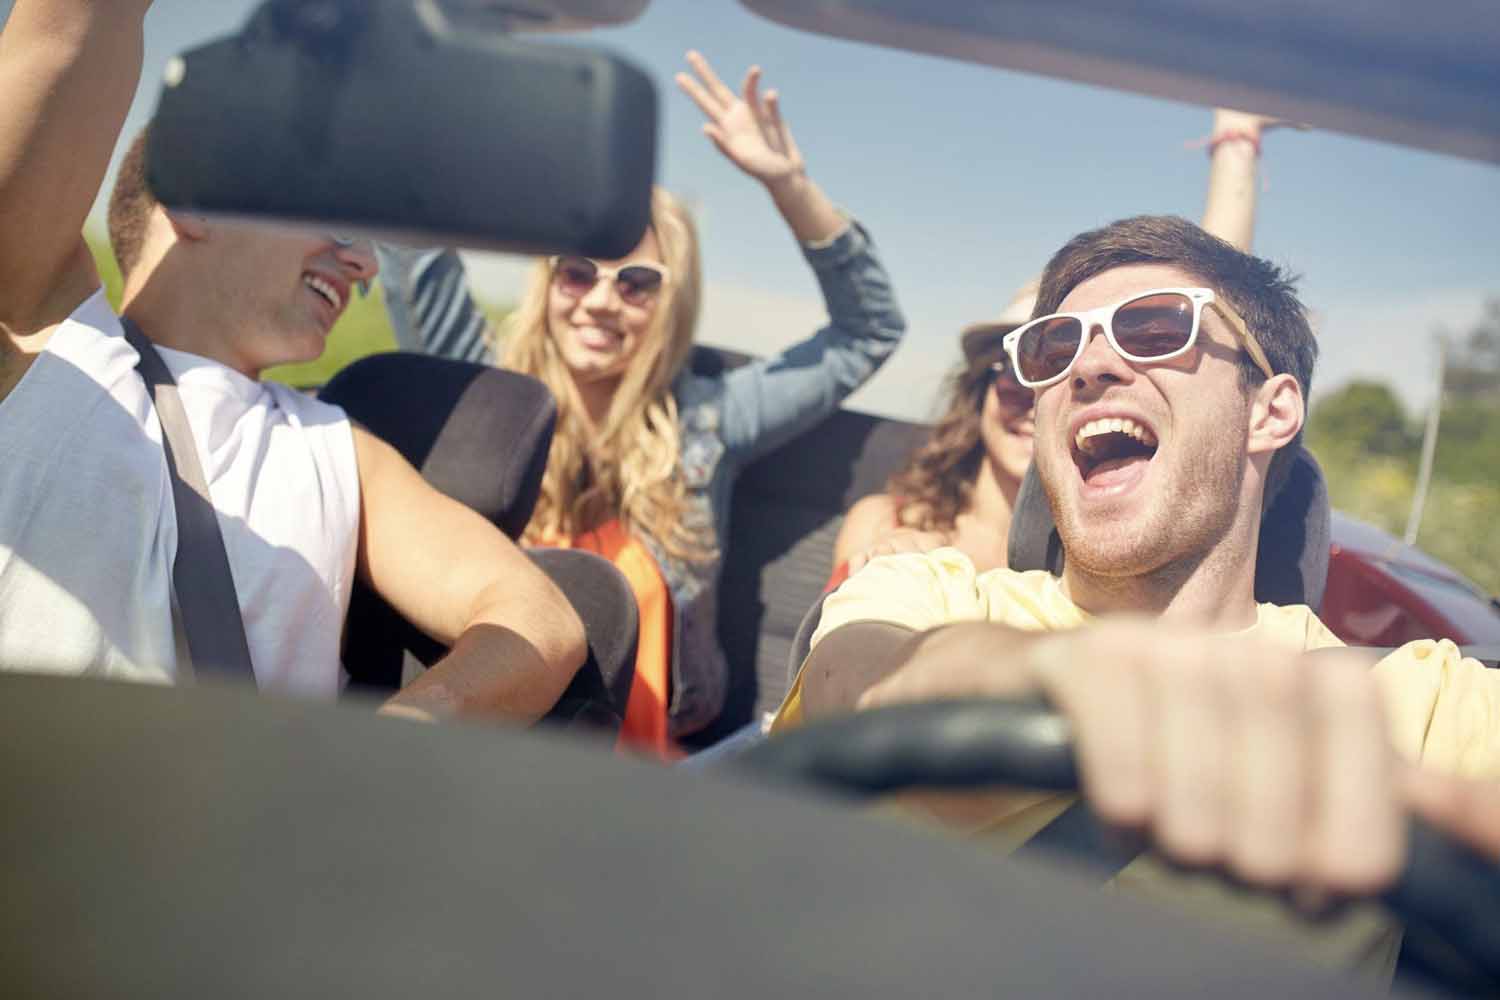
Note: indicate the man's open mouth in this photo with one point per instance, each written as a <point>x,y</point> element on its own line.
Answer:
<point>1104,449</point>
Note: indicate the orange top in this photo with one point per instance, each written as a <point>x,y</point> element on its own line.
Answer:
<point>645,727</point>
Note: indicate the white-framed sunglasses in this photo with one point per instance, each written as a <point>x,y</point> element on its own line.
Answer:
<point>636,284</point>
<point>1150,326</point>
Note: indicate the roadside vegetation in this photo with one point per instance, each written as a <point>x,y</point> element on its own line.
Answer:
<point>1370,448</point>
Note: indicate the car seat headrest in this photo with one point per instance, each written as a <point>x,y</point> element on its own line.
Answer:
<point>477,433</point>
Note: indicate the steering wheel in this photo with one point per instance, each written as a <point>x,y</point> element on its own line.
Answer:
<point>1446,891</point>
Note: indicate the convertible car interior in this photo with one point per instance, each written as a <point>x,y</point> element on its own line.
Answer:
<point>201,841</point>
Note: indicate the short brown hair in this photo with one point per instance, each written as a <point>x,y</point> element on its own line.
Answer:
<point>1263,294</point>
<point>130,205</point>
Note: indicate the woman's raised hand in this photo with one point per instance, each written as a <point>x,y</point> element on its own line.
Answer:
<point>746,127</point>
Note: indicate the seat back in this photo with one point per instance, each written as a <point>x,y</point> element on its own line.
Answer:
<point>787,508</point>
<point>1291,564</point>
<point>479,434</point>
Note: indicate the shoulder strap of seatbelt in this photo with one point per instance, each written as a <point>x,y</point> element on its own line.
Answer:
<point>201,581</point>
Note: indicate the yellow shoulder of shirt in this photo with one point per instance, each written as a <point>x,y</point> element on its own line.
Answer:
<point>921,591</point>
<point>1296,625</point>
<point>1442,708</point>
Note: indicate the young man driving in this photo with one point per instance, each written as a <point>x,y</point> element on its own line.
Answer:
<point>304,500</point>
<point>1170,373</point>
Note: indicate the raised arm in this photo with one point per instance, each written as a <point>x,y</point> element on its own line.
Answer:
<point>1233,173</point>
<point>68,71</point>
<point>749,130</point>
<point>770,401</point>
<point>430,305</point>
<point>516,641</point>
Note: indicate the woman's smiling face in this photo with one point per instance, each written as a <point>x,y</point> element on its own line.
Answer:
<point>1006,427</point>
<point>597,332</point>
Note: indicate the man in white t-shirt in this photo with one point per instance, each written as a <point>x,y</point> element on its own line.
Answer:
<point>305,500</point>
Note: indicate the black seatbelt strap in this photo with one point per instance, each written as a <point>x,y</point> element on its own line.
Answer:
<point>202,585</point>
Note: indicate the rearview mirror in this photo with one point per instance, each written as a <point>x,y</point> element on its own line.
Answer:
<point>379,116</point>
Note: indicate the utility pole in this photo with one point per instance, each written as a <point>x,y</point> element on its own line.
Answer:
<point>1429,448</point>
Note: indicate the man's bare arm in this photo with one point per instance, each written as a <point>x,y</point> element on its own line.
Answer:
<point>854,658</point>
<point>68,71</point>
<point>516,641</point>
<point>849,661</point>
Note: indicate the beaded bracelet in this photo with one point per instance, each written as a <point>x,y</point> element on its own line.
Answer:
<point>1229,135</point>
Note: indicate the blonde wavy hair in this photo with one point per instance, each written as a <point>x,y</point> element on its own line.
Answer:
<point>631,468</point>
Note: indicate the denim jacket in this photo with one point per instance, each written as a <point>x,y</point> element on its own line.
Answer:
<point>727,420</point>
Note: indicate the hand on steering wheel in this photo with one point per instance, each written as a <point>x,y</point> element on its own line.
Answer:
<point>1448,894</point>
<point>1229,752</point>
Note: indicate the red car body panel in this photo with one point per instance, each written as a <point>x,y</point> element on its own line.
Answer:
<point>1382,592</point>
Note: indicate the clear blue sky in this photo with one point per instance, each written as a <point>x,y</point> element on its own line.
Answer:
<point>969,177</point>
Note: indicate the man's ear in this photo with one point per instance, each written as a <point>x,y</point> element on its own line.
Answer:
<point>188,226</point>
<point>1276,413</point>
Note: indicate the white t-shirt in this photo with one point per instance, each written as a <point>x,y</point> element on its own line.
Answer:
<point>88,531</point>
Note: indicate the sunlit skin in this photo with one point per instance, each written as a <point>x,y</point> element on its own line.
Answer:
<point>598,334</point>
<point>270,314</point>
<point>981,530</point>
<point>1007,428</point>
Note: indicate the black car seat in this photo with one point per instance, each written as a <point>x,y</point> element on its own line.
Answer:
<point>786,512</point>
<point>1291,564</point>
<point>480,435</point>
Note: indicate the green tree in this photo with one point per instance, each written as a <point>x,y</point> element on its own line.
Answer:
<point>1468,449</point>
<point>1369,453</point>
<point>1363,417</point>
<point>1473,370</point>
<point>109,271</point>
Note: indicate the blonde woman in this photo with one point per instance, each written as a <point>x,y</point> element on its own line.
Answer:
<point>646,453</point>
<point>960,487</point>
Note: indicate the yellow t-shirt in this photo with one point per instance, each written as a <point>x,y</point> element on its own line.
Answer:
<point>1444,710</point>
